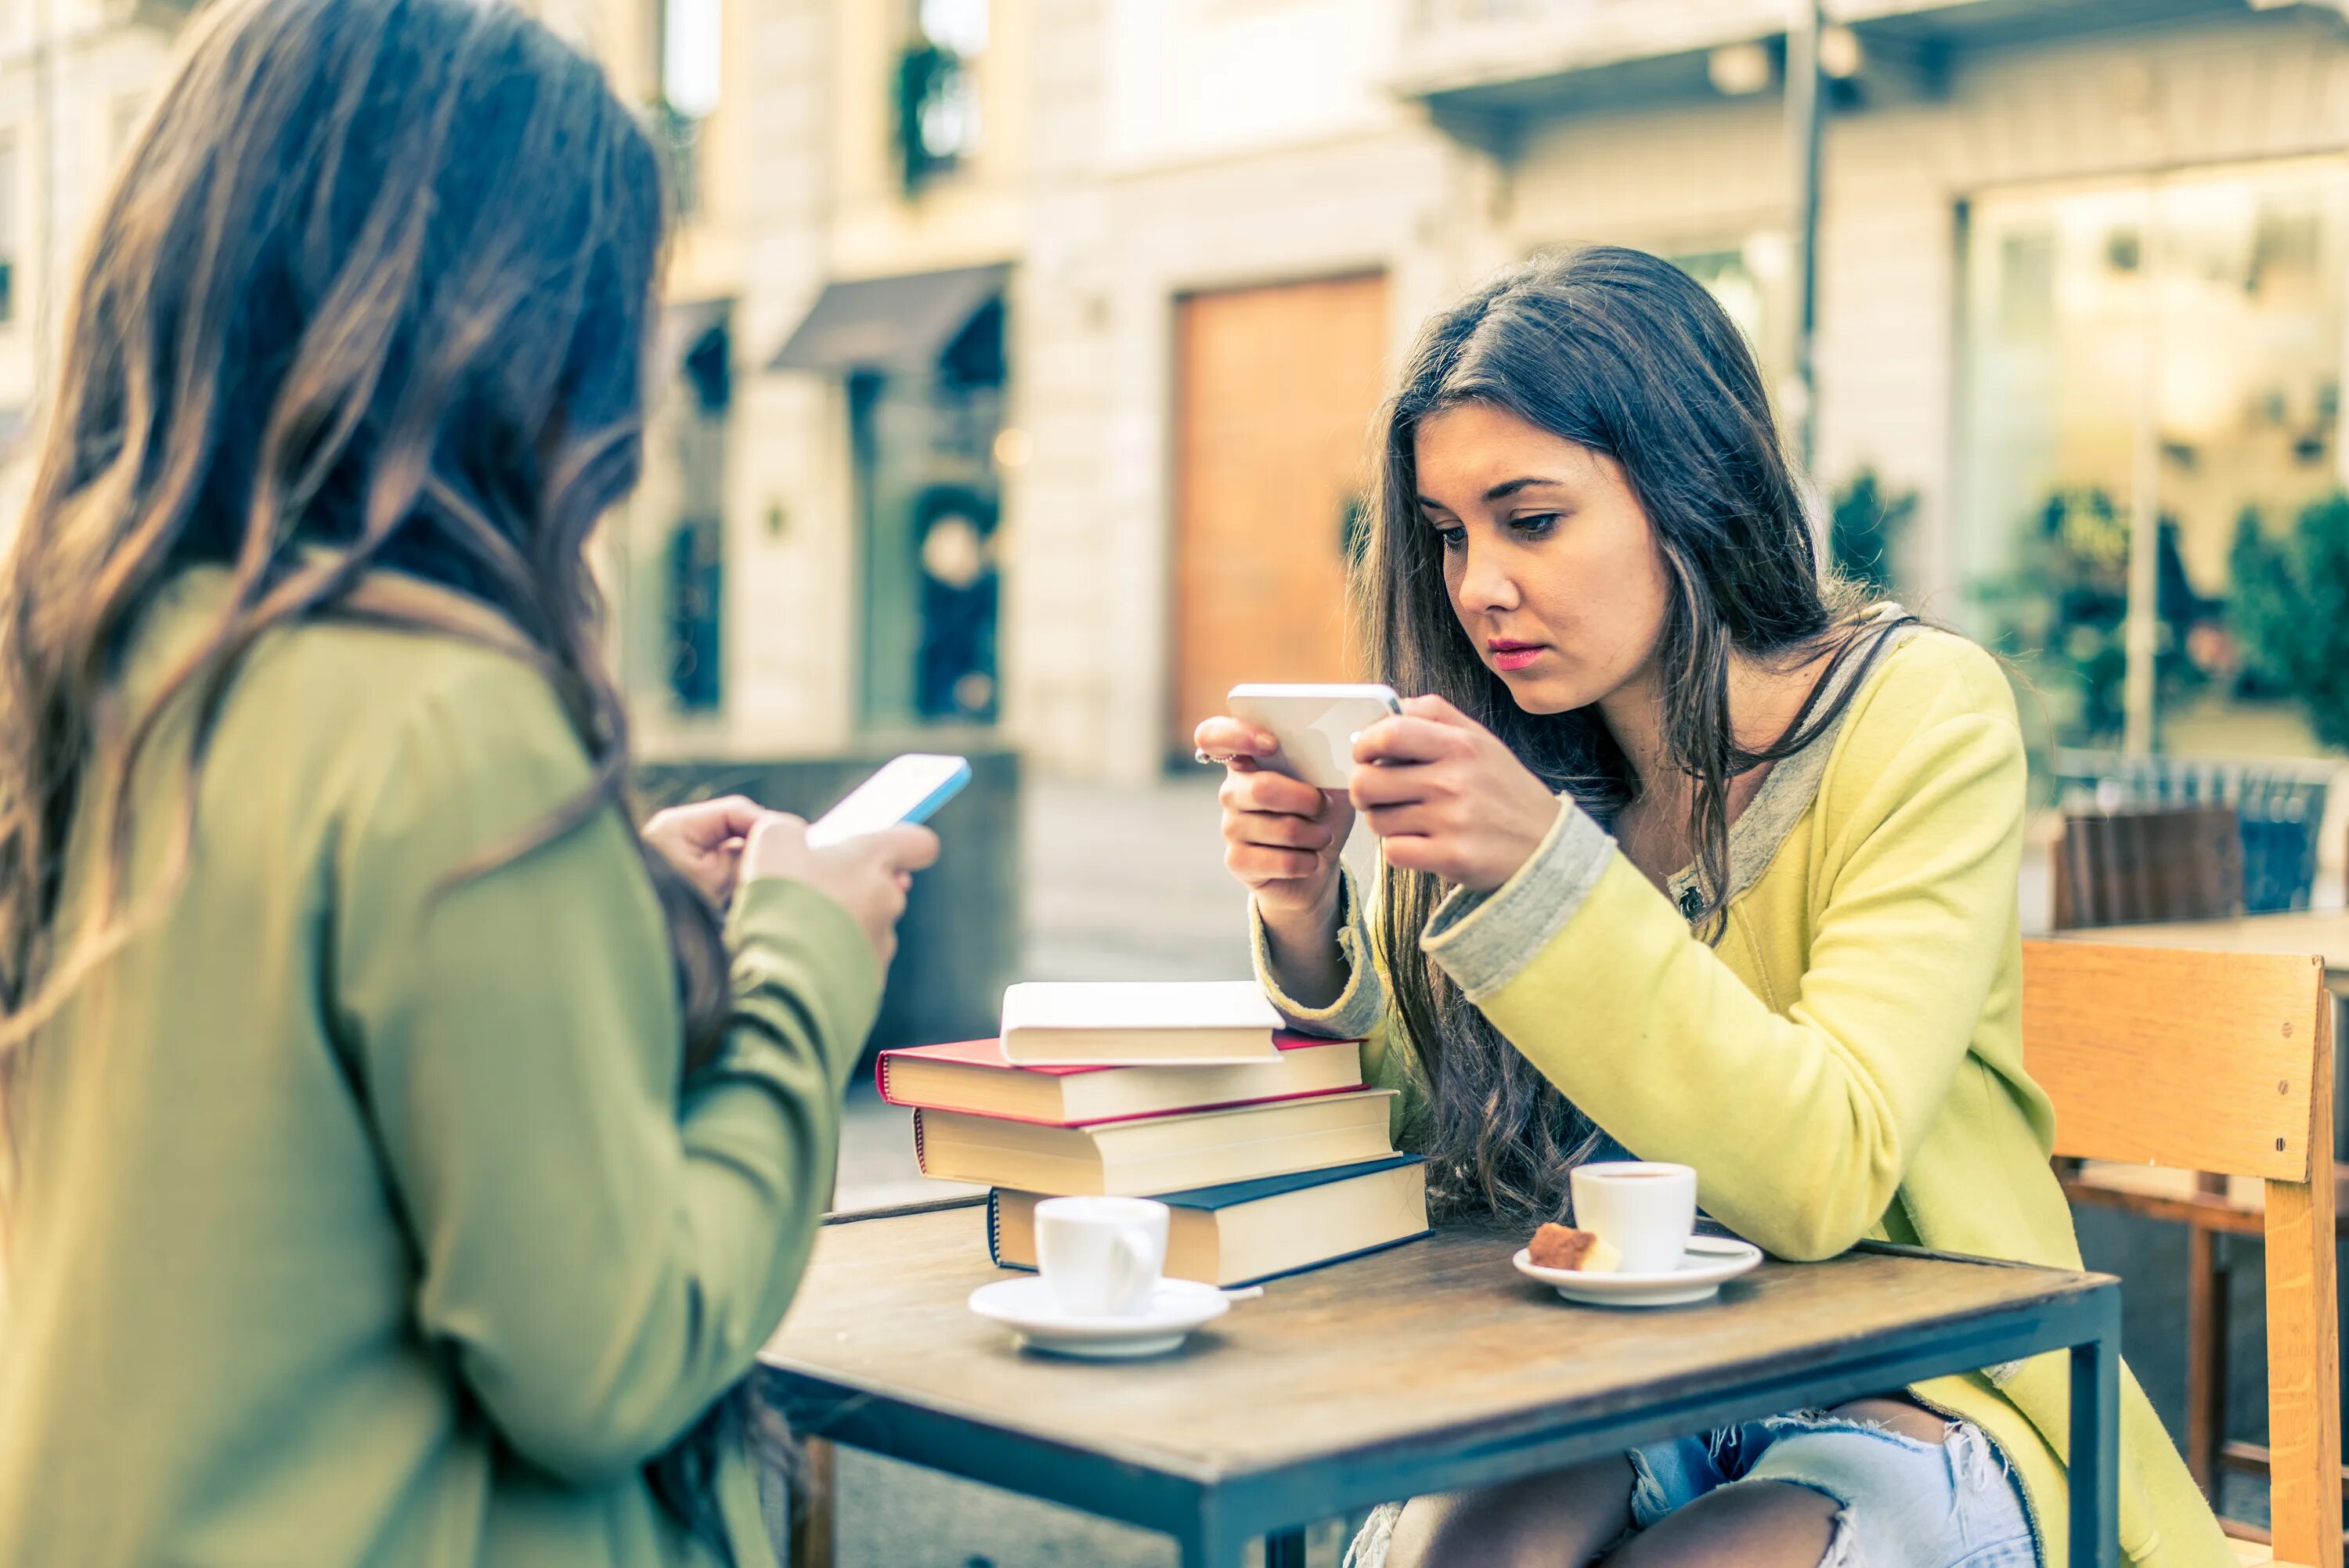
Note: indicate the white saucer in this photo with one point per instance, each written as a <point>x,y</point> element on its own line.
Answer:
<point>1710,1260</point>
<point>1179,1306</point>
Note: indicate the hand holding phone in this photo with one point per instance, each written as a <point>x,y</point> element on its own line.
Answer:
<point>863,852</point>
<point>868,876</point>
<point>907,790</point>
<point>1315,726</point>
<point>1285,814</point>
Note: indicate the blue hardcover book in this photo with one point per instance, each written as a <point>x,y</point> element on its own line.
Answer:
<point>1248,1232</point>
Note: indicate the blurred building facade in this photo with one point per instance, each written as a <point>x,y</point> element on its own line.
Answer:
<point>1056,337</point>
<point>2076,260</point>
<point>1022,355</point>
<point>2072,252</point>
<point>74,80</point>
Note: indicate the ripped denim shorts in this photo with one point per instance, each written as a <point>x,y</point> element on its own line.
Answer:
<point>1902,1503</point>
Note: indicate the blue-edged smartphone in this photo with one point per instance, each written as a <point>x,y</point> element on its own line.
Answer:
<point>908,789</point>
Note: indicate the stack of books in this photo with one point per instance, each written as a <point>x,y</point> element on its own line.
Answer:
<point>1266,1146</point>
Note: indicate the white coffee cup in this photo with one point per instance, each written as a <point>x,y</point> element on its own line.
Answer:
<point>1646,1212</point>
<point>1100,1256</point>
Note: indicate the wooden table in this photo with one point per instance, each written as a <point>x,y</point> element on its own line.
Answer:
<point>2322,931</point>
<point>1424,1369</point>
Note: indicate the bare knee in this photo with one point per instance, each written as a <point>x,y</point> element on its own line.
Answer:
<point>1746,1524</point>
<point>1559,1520</point>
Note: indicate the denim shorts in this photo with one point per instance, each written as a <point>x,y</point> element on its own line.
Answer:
<point>1900,1502</point>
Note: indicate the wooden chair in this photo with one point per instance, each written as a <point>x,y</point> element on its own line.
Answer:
<point>2219,1063</point>
<point>2133,866</point>
<point>2126,868</point>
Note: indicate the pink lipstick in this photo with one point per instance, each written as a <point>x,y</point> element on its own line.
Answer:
<point>1513,655</point>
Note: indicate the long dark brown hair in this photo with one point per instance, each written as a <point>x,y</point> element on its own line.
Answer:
<point>372,292</point>
<point>1627,356</point>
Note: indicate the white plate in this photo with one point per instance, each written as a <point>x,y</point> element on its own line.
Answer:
<point>1025,1304</point>
<point>1709,1261</point>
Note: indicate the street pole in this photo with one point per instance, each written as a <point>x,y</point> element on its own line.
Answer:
<point>1805,119</point>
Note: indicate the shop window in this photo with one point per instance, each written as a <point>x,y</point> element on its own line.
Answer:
<point>692,56</point>
<point>695,590</point>
<point>2182,335</point>
<point>1751,277</point>
<point>937,89</point>
<point>693,572</point>
<point>8,230</point>
<point>926,446</point>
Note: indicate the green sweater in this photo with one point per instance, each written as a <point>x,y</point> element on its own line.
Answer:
<point>358,1222</point>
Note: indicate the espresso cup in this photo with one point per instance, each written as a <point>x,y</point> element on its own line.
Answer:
<point>1645,1211</point>
<point>1100,1256</point>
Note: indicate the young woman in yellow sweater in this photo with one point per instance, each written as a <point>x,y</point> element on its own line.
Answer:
<point>1690,853</point>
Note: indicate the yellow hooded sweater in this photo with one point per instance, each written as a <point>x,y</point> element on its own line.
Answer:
<point>1846,1063</point>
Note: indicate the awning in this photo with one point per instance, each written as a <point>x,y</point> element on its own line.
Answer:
<point>1535,62</point>
<point>900,324</point>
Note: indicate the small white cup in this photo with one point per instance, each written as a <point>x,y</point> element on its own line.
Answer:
<point>1100,1256</point>
<point>1646,1212</point>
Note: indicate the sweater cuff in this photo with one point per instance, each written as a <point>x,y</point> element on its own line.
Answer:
<point>1360,1006</point>
<point>1483,941</point>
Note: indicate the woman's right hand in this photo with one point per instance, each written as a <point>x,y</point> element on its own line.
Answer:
<point>1282,837</point>
<point>868,876</point>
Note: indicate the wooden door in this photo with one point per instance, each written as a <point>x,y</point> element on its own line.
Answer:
<point>1276,389</point>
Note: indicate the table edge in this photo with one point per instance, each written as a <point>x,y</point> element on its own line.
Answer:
<point>2067,1286</point>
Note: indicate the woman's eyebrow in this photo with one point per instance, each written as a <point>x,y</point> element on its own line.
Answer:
<point>1503,490</point>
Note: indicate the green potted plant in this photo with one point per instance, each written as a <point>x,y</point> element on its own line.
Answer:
<point>1865,528</point>
<point>2062,613</point>
<point>2289,614</point>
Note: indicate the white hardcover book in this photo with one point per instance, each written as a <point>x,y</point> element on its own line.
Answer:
<point>1137,1022</point>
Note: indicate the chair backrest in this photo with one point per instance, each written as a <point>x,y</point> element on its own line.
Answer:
<point>2221,1063</point>
<point>2280,802</point>
<point>2125,868</point>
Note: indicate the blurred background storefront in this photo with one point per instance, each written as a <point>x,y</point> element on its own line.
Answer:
<point>1021,354</point>
<point>1069,319</point>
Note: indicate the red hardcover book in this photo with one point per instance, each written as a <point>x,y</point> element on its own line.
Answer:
<point>973,1078</point>
<point>1145,1154</point>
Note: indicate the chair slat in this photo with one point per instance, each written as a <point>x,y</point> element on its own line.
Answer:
<point>2197,1061</point>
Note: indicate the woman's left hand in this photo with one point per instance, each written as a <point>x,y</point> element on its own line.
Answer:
<point>1447,797</point>
<point>704,841</point>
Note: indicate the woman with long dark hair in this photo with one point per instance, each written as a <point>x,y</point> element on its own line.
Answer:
<point>1689,852</point>
<point>403,1164</point>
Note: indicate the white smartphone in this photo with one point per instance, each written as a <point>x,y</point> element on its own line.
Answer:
<point>1316,726</point>
<point>908,789</point>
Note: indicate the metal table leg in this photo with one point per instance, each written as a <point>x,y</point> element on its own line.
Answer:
<point>1211,1542</point>
<point>2097,1444</point>
<point>1284,1549</point>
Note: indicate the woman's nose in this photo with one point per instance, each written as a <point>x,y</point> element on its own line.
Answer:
<point>1485,582</point>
